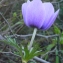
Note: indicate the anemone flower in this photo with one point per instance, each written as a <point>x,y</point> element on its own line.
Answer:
<point>38,14</point>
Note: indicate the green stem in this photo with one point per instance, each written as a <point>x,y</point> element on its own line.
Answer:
<point>57,57</point>
<point>24,62</point>
<point>32,39</point>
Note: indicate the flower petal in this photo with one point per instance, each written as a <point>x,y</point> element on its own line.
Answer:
<point>35,14</point>
<point>51,21</point>
<point>49,12</point>
<point>24,8</point>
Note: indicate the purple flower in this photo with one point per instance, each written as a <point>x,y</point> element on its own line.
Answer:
<point>39,15</point>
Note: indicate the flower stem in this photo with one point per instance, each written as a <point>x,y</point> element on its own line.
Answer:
<point>24,62</point>
<point>32,39</point>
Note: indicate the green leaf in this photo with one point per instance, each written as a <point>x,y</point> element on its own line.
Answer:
<point>11,42</point>
<point>37,53</point>
<point>26,54</point>
<point>20,22</point>
<point>56,30</point>
<point>61,38</point>
<point>46,57</point>
<point>14,14</point>
<point>57,57</point>
<point>20,50</point>
<point>62,34</point>
<point>49,47</point>
<point>29,54</point>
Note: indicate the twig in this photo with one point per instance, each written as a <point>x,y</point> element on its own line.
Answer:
<point>25,36</point>
<point>19,29</point>
<point>39,35</point>
<point>48,52</point>
<point>9,53</point>
<point>57,2</point>
<point>7,23</point>
<point>6,5</point>
<point>41,60</point>
<point>1,37</point>
<point>2,1</point>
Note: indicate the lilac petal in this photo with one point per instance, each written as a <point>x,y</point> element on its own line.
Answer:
<point>35,14</point>
<point>24,8</point>
<point>49,12</point>
<point>51,21</point>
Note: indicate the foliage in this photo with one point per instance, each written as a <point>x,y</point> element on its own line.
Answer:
<point>25,54</point>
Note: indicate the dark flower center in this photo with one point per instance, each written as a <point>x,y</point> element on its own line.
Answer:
<point>33,26</point>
